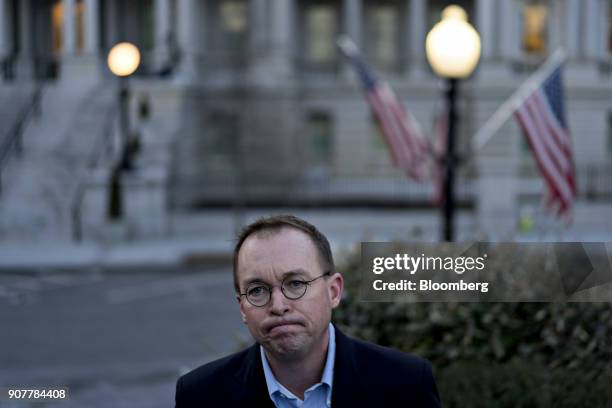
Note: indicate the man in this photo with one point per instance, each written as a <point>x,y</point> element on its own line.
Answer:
<point>286,285</point>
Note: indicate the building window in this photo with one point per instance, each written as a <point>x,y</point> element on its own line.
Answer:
<point>234,24</point>
<point>219,145</point>
<point>382,29</point>
<point>57,27</point>
<point>80,26</point>
<point>320,28</point>
<point>224,131</point>
<point>147,25</point>
<point>135,24</point>
<point>57,22</point>
<point>377,138</point>
<point>379,157</point>
<point>535,27</point>
<point>319,139</point>
<point>227,26</point>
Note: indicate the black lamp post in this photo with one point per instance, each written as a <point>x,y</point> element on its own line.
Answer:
<point>453,50</point>
<point>123,61</point>
<point>450,161</point>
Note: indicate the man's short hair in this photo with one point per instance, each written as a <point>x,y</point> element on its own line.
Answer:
<point>273,225</point>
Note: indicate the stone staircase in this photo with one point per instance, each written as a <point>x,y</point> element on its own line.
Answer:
<point>12,101</point>
<point>41,187</point>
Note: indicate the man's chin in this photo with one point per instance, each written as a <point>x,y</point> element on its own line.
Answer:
<point>287,346</point>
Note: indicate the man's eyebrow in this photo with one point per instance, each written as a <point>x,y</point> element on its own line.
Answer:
<point>293,272</point>
<point>254,280</point>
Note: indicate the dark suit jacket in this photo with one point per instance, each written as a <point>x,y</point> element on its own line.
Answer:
<point>365,375</point>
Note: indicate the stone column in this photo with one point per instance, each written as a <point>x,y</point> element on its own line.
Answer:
<point>111,33</point>
<point>259,42</point>
<point>418,31</point>
<point>271,27</point>
<point>68,57</point>
<point>25,62</point>
<point>492,67</point>
<point>594,34</point>
<point>592,46</point>
<point>92,27</point>
<point>269,142</point>
<point>6,36</point>
<point>81,65</point>
<point>510,29</point>
<point>485,24</point>
<point>282,37</point>
<point>571,21</point>
<point>4,29</point>
<point>604,27</point>
<point>557,26</point>
<point>352,14</point>
<point>69,27</point>
<point>190,16</point>
<point>163,32</point>
<point>259,22</point>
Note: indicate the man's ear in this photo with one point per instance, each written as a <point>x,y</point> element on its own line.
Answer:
<point>242,314</point>
<point>336,285</point>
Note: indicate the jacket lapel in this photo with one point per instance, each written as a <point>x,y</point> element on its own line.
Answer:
<point>347,390</point>
<point>253,390</point>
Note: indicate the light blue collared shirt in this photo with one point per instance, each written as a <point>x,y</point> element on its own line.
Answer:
<point>317,396</point>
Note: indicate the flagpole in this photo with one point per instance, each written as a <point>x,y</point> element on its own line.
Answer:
<point>401,131</point>
<point>347,45</point>
<point>505,111</point>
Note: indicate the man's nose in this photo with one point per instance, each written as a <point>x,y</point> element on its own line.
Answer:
<point>278,302</point>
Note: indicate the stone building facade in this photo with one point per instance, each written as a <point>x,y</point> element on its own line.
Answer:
<point>247,103</point>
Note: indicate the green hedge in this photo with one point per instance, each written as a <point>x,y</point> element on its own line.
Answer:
<point>495,354</point>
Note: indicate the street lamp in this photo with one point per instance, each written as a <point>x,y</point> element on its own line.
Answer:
<point>453,50</point>
<point>123,60</point>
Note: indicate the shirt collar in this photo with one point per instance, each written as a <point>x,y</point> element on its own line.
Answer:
<point>328,371</point>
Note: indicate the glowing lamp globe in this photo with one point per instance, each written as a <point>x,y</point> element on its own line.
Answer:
<point>123,59</point>
<point>453,45</point>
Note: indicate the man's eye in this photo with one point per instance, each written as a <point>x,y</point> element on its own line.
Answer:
<point>296,284</point>
<point>256,291</point>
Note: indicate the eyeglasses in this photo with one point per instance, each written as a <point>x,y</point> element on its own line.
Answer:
<point>259,294</point>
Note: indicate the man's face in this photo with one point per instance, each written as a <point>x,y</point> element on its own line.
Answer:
<point>287,329</point>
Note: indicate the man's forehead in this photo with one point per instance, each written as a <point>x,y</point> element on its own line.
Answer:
<point>274,238</point>
<point>287,249</point>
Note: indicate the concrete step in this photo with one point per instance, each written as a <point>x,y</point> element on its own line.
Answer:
<point>13,100</point>
<point>57,149</point>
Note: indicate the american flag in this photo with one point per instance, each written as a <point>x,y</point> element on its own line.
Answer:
<point>542,118</point>
<point>409,149</point>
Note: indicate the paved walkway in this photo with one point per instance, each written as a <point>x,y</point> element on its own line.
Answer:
<point>210,235</point>
<point>115,339</point>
